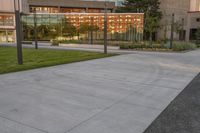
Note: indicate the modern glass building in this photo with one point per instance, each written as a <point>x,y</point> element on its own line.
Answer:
<point>7,26</point>
<point>64,19</point>
<point>117,2</point>
<point>187,11</point>
<point>83,26</point>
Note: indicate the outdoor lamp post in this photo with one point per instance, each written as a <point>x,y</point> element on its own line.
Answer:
<point>35,29</point>
<point>18,31</point>
<point>182,30</point>
<point>172,32</point>
<point>105,28</point>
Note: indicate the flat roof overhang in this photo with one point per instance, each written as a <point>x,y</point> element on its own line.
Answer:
<point>193,12</point>
<point>6,12</point>
<point>100,14</point>
<point>71,3</point>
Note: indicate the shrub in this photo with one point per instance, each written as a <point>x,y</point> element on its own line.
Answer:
<point>181,46</point>
<point>157,46</point>
<point>55,43</point>
<point>71,41</point>
<point>124,46</point>
<point>198,37</point>
<point>141,46</point>
<point>137,46</point>
<point>177,46</point>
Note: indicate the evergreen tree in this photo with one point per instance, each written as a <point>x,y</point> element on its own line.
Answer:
<point>68,29</point>
<point>142,6</point>
<point>198,37</point>
<point>151,10</point>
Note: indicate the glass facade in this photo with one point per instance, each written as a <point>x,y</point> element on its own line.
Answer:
<point>83,26</point>
<point>7,36</point>
<point>117,2</point>
<point>6,20</point>
<point>43,9</point>
<point>7,28</point>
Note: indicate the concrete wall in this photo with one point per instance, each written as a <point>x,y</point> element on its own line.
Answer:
<point>72,3</point>
<point>25,6</point>
<point>195,5</point>
<point>192,22</point>
<point>193,18</point>
<point>180,8</point>
<point>6,6</point>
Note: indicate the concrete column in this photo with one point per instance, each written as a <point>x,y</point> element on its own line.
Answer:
<point>86,10</point>
<point>6,35</point>
<point>59,10</point>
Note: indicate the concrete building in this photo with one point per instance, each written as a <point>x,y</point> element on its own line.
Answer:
<point>117,2</point>
<point>187,16</point>
<point>195,5</point>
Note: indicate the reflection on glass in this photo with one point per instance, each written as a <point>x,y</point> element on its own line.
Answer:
<point>7,36</point>
<point>83,27</point>
<point>6,20</point>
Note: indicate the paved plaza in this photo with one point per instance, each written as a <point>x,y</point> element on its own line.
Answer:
<point>120,94</point>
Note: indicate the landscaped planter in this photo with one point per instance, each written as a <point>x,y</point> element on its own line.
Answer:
<point>177,46</point>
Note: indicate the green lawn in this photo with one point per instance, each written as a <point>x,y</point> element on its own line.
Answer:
<point>41,58</point>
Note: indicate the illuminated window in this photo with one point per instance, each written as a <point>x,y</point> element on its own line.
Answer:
<point>6,20</point>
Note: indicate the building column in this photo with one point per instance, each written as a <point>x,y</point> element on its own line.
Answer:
<point>113,11</point>
<point>6,35</point>
<point>59,9</point>
<point>87,10</point>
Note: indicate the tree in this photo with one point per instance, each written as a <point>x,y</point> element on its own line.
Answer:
<point>53,31</point>
<point>46,32</point>
<point>87,28</point>
<point>84,28</point>
<point>68,29</point>
<point>151,10</point>
<point>152,26</point>
<point>142,6</point>
<point>198,37</point>
<point>27,31</point>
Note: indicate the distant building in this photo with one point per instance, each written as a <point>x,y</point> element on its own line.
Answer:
<point>76,12</point>
<point>117,2</point>
<point>7,26</point>
<point>195,5</point>
<point>66,6</point>
<point>187,14</point>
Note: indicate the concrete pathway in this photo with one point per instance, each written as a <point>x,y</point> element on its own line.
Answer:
<point>88,46</point>
<point>121,94</point>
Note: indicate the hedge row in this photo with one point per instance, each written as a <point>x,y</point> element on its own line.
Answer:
<point>177,46</point>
